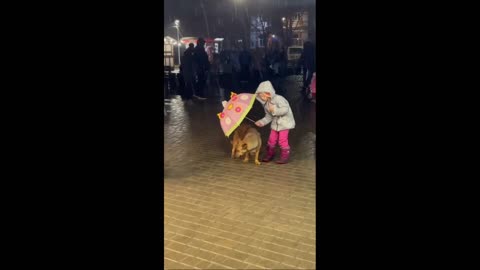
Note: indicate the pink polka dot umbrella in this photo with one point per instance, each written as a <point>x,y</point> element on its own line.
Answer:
<point>235,110</point>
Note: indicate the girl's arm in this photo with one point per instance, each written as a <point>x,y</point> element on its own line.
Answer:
<point>266,120</point>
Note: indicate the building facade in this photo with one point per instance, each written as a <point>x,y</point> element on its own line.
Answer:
<point>299,28</point>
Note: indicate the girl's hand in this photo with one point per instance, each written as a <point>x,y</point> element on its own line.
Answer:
<point>259,124</point>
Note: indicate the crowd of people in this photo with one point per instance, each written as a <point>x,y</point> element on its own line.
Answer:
<point>193,72</point>
<point>237,69</point>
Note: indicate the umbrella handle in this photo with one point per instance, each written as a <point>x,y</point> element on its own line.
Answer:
<point>250,119</point>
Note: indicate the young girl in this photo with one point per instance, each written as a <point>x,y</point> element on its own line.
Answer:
<point>278,112</point>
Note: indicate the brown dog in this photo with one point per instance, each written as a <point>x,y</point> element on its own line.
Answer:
<point>246,141</point>
<point>238,135</point>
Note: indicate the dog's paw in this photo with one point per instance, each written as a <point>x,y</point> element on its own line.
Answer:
<point>257,162</point>
<point>245,160</point>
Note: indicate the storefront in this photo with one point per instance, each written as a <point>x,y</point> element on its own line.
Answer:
<point>211,45</point>
<point>218,45</point>
<point>169,52</point>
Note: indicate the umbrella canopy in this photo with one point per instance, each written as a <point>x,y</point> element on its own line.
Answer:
<point>234,111</point>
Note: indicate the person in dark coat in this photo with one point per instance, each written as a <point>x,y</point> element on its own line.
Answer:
<point>307,62</point>
<point>188,73</point>
<point>181,82</point>
<point>257,66</point>
<point>202,66</point>
<point>215,73</point>
<point>245,60</point>
<point>283,62</point>
<point>227,77</point>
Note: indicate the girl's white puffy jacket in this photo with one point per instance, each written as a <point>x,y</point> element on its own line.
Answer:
<point>282,116</point>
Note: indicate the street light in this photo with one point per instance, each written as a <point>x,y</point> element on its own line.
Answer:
<point>177,25</point>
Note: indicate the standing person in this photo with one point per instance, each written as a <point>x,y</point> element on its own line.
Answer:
<point>234,57</point>
<point>268,60</point>
<point>283,61</point>
<point>313,88</point>
<point>307,62</point>
<point>276,61</point>
<point>276,64</point>
<point>257,65</point>
<point>245,60</point>
<point>202,66</point>
<point>188,73</point>
<point>279,114</point>
<point>226,77</point>
<point>181,82</point>
<point>215,73</point>
<point>271,59</point>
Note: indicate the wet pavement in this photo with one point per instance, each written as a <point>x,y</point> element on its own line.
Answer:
<point>221,213</point>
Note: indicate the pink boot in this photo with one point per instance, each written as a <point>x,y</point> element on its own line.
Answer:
<point>284,156</point>
<point>270,154</point>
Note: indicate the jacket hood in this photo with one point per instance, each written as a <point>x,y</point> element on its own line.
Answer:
<point>265,87</point>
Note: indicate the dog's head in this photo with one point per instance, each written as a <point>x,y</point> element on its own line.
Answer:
<point>241,150</point>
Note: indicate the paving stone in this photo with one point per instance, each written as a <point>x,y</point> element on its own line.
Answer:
<point>305,256</point>
<point>234,264</point>
<point>306,248</point>
<point>218,266</point>
<point>176,256</point>
<point>219,259</point>
<point>291,262</point>
<point>190,261</point>
<point>205,255</point>
<point>169,264</point>
<point>306,265</point>
<point>203,264</point>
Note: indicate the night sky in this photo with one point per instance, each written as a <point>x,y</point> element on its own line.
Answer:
<point>223,16</point>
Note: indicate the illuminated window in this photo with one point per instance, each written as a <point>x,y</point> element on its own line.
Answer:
<point>261,43</point>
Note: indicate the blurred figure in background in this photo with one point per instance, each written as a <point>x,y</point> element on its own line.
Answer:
<point>181,82</point>
<point>235,59</point>
<point>226,77</point>
<point>201,66</point>
<point>188,73</point>
<point>275,62</point>
<point>245,60</point>
<point>307,62</point>
<point>215,73</point>
<point>257,66</point>
<point>283,61</point>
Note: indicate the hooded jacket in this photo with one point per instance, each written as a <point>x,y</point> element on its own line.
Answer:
<point>282,116</point>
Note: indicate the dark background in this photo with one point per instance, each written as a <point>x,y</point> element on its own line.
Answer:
<point>88,133</point>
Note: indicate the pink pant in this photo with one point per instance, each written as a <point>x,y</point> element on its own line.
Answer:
<point>281,137</point>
